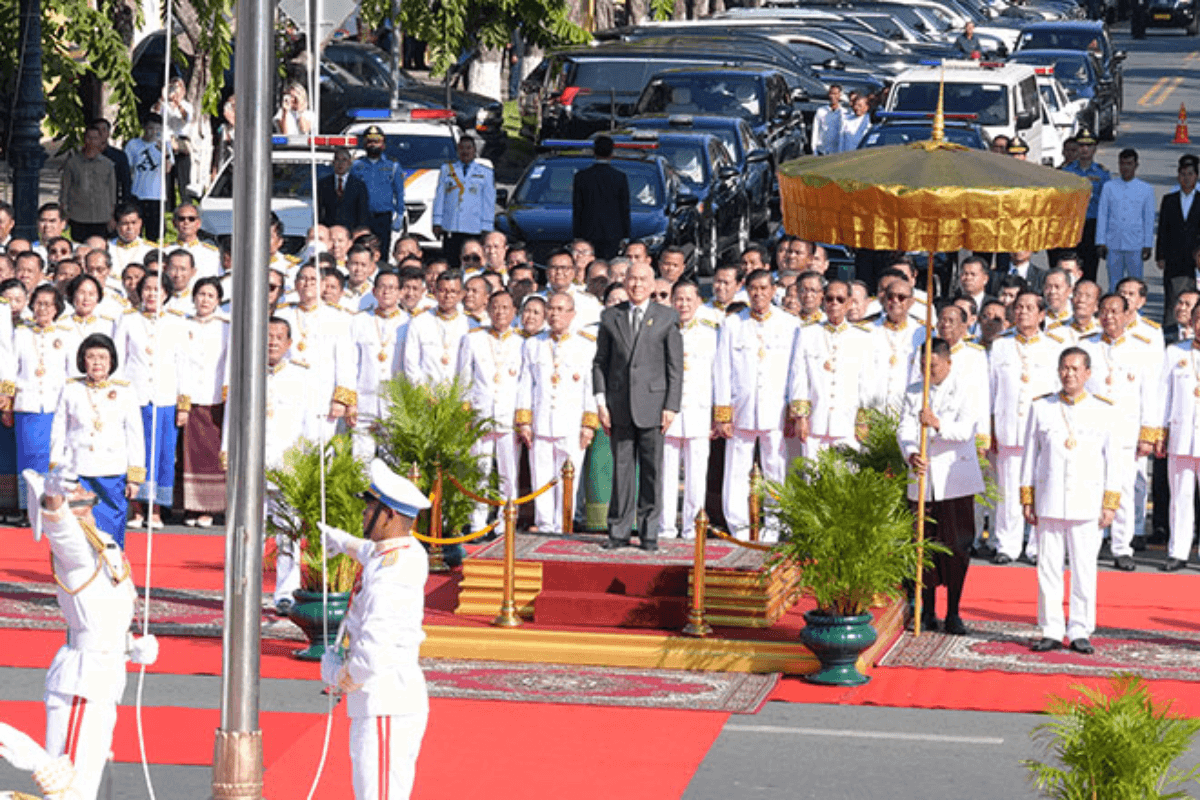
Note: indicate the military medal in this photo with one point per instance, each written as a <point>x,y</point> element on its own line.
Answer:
<point>98,424</point>
<point>150,351</point>
<point>554,379</point>
<point>382,356</point>
<point>575,377</point>
<point>496,378</point>
<point>301,346</point>
<point>762,353</point>
<point>40,372</point>
<point>1129,377</point>
<point>112,395</point>
<point>1070,443</point>
<point>892,361</point>
<point>1108,380</point>
<point>1196,391</point>
<point>58,344</point>
<point>1024,377</point>
<point>445,359</point>
<point>829,366</point>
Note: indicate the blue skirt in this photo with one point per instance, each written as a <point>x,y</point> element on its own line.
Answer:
<point>160,465</point>
<point>8,467</point>
<point>33,445</point>
<point>112,509</point>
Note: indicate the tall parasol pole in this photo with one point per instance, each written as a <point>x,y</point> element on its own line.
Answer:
<point>237,750</point>
<point>927,350</point>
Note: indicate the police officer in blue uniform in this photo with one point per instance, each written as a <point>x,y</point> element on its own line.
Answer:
<point>385,187</point>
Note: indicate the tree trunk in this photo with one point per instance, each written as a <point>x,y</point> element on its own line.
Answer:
<point>604,15</point>
<point>717,7</point>
<point>681,10</point>
<point>485,73</point>
<point>701,9</point>
<point>637,11</point>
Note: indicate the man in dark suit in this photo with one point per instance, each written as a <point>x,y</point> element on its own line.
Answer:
<point>600,202</point>
<point>341,197</point>
<point>1178,235</point>
<point>637,376</point>
<point>1022,267</point>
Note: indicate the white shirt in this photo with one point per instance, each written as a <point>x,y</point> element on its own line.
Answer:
<point>1125,219</point>
<point>206,375</point>
<point>1185,201</point>
<point>694,419</point>
<point>378,342</point>
<point>554,394</point>
<point>853,129</point>
<point>97,430</point>
<point>829,381</point>
<point>431,346</point>
<point>489,365</point>
<point>750,372</point>
<point>153,355</point>
<point>953,464</point>
<point>827,128</point>
<point>1067,455</point>
<point>465,199</point>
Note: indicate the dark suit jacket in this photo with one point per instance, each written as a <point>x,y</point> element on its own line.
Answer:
<point>1035,276</point>
<point>600,204</point>
<point>639,378</point>
<point>353,210</point>
<point>1177,238</point>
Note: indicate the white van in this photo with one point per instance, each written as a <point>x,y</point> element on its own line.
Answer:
<point>1003,97</point>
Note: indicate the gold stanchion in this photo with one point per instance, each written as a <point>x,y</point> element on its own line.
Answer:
<point>696,625</point>
<point>568,490</point>
<point>756,515</point>
<point>437,560</point>
<point>508,609</point>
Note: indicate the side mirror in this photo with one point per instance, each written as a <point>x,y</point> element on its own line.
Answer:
<point>625,109</point>
<point>783,113</point>
<point>502,197</point>
<point>1120,55</point>
<point>1025,120</point>
<point>758,156</point>
<point>833,63</point>
<point>800,95</point>
<point>687,200</point>
<point>728,173</point>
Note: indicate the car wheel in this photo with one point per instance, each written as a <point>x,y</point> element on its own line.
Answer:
<point>743,238</point>
<point>1194,28</point>
<point>1109,131</point>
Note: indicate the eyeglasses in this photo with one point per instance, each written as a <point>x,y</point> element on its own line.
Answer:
<point>660,295</point>
<point>275,287</point>
<point>834,298</point>
<point>472,258</point>
<point>189,218</point>
<point>897,296</point>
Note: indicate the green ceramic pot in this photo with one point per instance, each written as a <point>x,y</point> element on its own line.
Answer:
<point>308,612</point>
<point>837,642</point>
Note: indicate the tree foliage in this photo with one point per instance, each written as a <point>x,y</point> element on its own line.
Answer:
<point>454,27</point>
<point>1114,745</point>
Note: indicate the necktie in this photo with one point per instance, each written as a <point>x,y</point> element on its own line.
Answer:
<point>341,185</point>
<point>637,320</point>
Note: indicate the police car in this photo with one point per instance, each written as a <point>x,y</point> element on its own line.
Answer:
<point>421,141</point>
<point>292,161</point>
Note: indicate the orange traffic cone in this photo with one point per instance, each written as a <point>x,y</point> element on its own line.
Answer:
<point>1181,132</point>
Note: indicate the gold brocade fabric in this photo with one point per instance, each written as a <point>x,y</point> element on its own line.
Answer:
<point>928,196</point>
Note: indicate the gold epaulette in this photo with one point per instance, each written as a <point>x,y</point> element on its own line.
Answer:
<point>974,345</point>
<point>1026,495</point>
<point>863,326</point>
<point>712,323</point>
<point>1050,335</point>
<point>477,329</point>
<point>1151,322</point>
<point>1103,399</point>
<point>1111,502</point>
<point>132,310</point>
<point>303,364</point>
<point>1009,332</point>
<point>62,326</point>
<point>591,337</point>
<point>210,246</point>
<point>77,380</point>
<point>1044,396</point>
<point>176,312</point>
<point>1140,338</point>
<point>119,382</point>
<point>1094,335</point>
<point>292,259</point>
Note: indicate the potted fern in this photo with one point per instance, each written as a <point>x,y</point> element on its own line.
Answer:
<point>435,426</point>
<point>849,530</point>
<point>1117,744</point>
<point>295,492</point>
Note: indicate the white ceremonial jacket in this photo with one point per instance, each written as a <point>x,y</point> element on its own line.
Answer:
<point>83,327</point>
<point>431,346</point>
<point>554,393</point>
<point>1126,372</point>
<point>44,360</point>
<point>694,420</point>
<point>126,253</point>
<point>321,338</point>
<point>1179,402</point>
<point>1125,218</point>
<point>953,461</point>
<point>489,366</point>
<point>750,371</point>
<point>465,199</point>
<point>1065,472</point>
<point>829,377</point>
<point>378,342</point>
<point>97,430</point>
<point>894,349</point>
<point>1020,369</point>
<point>206,374</point>
<point>153,355</point>
<point>205,255</point>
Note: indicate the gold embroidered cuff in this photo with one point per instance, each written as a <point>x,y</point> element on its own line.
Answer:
<point>1026,495</point>
<point>983,441</point>
<point>1148,434</point>
<point>8,388</point>
<point>136,474</point>
<point>1112,501</point>
<point>224,461</point>
<point>800,408</point>
<point>524,416</point>
<point>183,403</point>
<point>722,413</point>
<point>347,397</point>
<point>224,394</point>
<point>591,420</point>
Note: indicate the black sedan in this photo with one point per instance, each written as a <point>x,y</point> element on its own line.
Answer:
<point>1082,75</point>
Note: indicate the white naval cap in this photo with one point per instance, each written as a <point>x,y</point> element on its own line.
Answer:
<point>396,492</point>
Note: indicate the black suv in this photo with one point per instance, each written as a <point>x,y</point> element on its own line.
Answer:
<point>1079,35</point>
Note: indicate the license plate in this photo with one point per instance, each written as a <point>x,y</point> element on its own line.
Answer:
<point>1162,16</point>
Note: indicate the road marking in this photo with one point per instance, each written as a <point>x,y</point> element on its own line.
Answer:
<point>850,734</point>
<point>1144,100</point>
<point>1190,56</point>
<point>1162,98</point>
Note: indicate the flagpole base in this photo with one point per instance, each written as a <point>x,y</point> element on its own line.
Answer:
<point>237,765</point>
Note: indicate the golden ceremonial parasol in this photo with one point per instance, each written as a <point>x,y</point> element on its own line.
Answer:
<point>932,196</point>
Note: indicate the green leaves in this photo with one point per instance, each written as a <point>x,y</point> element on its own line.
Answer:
<point>1114,745</point>
<point>294,495</point>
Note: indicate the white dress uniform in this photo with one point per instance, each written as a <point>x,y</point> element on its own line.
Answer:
<point>321,337</point>
<point>830,382</point>
<point>465,200</point>
<point>83,327</point>
<point>1075,331</point>
<point>44,358</point>
<point>953,462</point>
<point>431,346</point>
<point>687,440</point>
<point>1066,476</point>
<point>892,351</point>
<point>554,396</point>
<point>206,373</point>
<point>1056,320</point>
<point>97,430</point>
<point>489,365</point>
<point>181,303</point>
<point>360,299</point>
<point>1126,372</point>
<point>205,255</point>
<point>1180,415</point>
<point>1148,328</point>
<point>87,677</point>
<point>750,385</point>
<point>1020,369</point>
<point>126,253</point>
<point>378,343</point>
<point>153,355</point>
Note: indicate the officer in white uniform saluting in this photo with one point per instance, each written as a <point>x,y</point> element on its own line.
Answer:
<point>380,675</point>
<point>1069,492</point>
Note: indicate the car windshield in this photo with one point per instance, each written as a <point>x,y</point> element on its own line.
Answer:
<point>1070,70</point>
<point>289,179</point>
<point>721,95</point>
<point>1060,40</point>
<point>623,75</point>
<point>903,134</point>
<point>550,183</point>
<point>988,101</point>
<point>1049,96</point>
<point>420,152</point>
<point>687,158</point>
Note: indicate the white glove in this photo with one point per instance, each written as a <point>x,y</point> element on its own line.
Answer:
<point>18,749</point>
<point>143,650</point>
<point>331,664</point>
<point>61,482</point>
<point>338,540</point>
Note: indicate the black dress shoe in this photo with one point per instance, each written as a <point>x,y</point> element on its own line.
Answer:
<point>613,544</point>
<point>1045,644</point>
<point>1082,645</point>
<point>1138,544</point>
<point>1173,565</point>
<point>929,623</point>
<point>1001,558</point>
<point>1125,563</point>
<point>650,547</point>
<point>985,551</point>
<point>955,626</point>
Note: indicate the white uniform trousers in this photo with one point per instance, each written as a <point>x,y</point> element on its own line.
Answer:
<point>1008,519</point>
<point>1181,473</point>
<point>363,443</point>
<point>1141,486</point>
<point>383,751</point>
<point>1124,523</point>
<point>739,458</point>
<point>1080,541</point>
<point>549,455</point>
<point>693,453</point>
<point>83,730</point>
<point>815,444</point>
<point>287,571</point>
<point>502,445</point>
